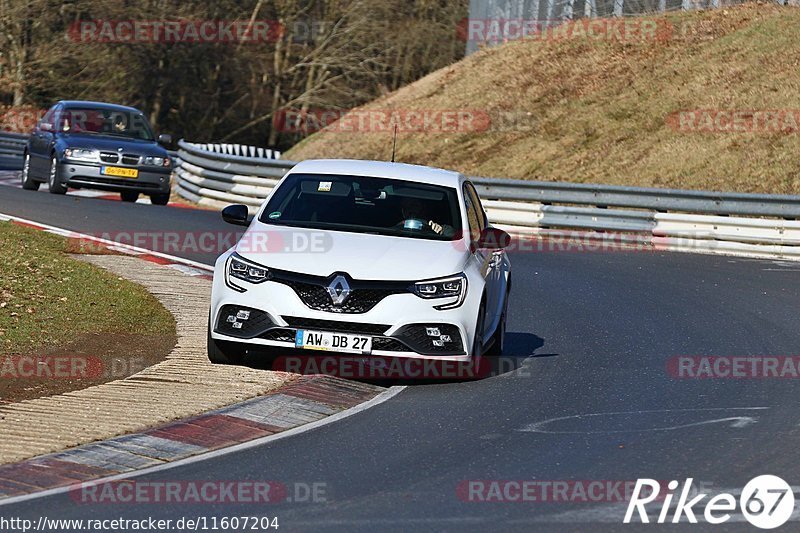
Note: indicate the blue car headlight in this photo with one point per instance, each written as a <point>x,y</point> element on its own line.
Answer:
<point>157,161</point>
<point>82,154</point>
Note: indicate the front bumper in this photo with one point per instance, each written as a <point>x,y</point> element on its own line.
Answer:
<point>88,175</point>
<point>407,340</point>
<point>398,325</point>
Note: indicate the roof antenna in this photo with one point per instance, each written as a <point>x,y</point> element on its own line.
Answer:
<point>394,142</point>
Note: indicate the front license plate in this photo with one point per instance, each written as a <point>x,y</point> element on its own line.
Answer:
<point>120,172</point>
<point>333,342</point>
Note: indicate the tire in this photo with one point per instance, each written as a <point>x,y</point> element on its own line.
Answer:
<point>499,335</point>
<point>477,345</point>
<point>159,199</point>
<point>224,353</point>
<point>53,182</point>
<point>129,196</point>
<point>27,182</point>
<point>498,338</point>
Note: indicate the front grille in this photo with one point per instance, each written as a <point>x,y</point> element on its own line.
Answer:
<point>360,300</point>
<point>130,159</point>
<point>336,326</point>
<point>418,337</point>
<point>109,157</point>
<point>364,295</point>
<point>242,322</point>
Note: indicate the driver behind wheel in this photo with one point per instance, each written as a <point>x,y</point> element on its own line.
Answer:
<point>415,216</point>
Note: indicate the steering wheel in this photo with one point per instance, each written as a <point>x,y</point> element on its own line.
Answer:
<point>412,224</point>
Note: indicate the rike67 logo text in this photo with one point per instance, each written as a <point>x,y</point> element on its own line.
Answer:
<point>766,502</point>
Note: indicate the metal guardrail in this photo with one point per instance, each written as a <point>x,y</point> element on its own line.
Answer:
<point>240,150</point>
<point>718,203</point>
<point>11,149</point>
<point>743,224</point>
<point>669,219</point>
<point>215,178</point>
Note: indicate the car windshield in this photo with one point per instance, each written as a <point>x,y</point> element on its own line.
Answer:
<point>359,204</point>
<point>99,121</point>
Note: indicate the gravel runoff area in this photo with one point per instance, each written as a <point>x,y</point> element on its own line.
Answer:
<point>185,384</point>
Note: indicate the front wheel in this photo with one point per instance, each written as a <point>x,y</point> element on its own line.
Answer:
<point>477,343</point>
<point>27,182</point>
<point>53,182</point>
<point>129,196</point>
<point>159,199</point>
<point>499,336</point>
<point>224,353</point>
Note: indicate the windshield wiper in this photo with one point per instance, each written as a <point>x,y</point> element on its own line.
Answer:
<point>109,134</point>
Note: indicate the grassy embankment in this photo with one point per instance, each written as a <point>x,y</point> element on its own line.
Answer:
<point>604,110</point>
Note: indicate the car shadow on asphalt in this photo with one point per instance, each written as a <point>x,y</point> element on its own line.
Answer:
<point>520,347</point>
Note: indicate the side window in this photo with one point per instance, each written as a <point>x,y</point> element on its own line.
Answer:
<point>50,117</point>
<point>473,219</point>
<point>469,190</point>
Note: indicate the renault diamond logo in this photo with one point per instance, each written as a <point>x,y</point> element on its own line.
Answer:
<point>339,290</point>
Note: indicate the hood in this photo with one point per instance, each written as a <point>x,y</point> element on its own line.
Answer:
<point>113,144</point>
<point>362,256</point>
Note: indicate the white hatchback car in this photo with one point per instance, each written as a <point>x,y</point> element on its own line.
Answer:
<point>363,257</point>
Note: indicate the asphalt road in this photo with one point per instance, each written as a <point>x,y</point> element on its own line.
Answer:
<point>590,336</point>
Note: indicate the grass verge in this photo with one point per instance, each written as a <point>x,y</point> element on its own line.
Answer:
<point>53,305</point>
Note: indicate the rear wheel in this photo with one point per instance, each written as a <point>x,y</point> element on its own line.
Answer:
<point>159,199</point>
<point>27,182</point>
<point>129,196</point>
<point>53,182</point>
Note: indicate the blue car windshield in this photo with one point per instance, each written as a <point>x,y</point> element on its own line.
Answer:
<point>107,122</point>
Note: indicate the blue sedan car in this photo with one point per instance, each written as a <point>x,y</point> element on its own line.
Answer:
<point>96,145</point>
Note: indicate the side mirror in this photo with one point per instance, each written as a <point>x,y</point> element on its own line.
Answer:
<point>494,239</point>
<point>165,140</point>
<point>46,126</point>
<point>237,215</point>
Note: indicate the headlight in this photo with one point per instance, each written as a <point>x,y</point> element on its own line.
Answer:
<point>81,154</point>
<point>157,161</point>
<point>240,268</point>
<point>451,287</point>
